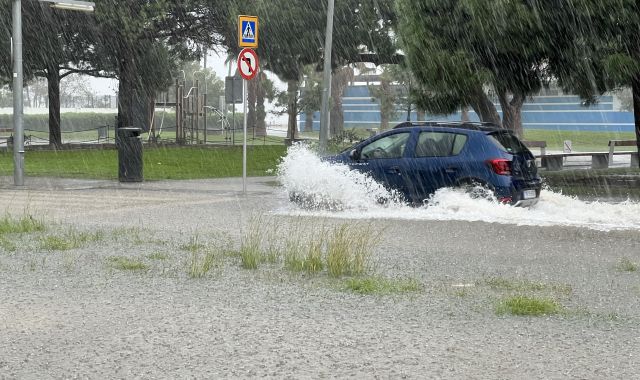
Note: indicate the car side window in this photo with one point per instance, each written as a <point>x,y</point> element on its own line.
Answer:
<point>391,146</point>
<point>440,144</point>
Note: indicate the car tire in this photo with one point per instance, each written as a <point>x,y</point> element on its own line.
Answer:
<point>477,189</point>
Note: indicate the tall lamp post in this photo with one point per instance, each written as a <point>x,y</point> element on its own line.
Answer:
<point>326,85</point>
<point>18,107</point>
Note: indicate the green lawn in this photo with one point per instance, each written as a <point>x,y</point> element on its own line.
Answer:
<point>581,141</point>
<point>159,162</point>
<point>167,136</point>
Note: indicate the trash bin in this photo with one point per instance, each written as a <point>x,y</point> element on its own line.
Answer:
<point>129,145</point>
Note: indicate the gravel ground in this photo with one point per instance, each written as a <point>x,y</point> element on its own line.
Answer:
<point>71,314</point>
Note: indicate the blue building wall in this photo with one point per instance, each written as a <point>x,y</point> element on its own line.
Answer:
<point>562,112</point>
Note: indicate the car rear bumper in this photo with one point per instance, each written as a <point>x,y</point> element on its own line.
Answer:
<point>526,202</point>
<point>515,193</point>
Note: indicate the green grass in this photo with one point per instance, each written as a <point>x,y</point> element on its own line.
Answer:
<point>581,140</point>
<point>158,256</point>
<point>381,285</point>
<point>200,263</point>
<point>626,265</point>
<point>159,162</point>
<point>301,258</point>
<point>522,285</point>
<point>125,263</point>
<point>7,245</point>
<point>72,239</point>
<point>202,258</point>
<point>24,224</point>
<point>349,249</point>
<point>528,306</point>
<point>193,245</point>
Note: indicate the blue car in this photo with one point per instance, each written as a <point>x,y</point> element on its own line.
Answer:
<point>416,159</point>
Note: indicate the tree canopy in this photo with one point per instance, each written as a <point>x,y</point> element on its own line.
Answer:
<point>463,51</point>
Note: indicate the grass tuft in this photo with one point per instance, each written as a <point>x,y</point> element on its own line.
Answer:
<point>72,239</point>
<point>251,252</point>
<point>193,246</point>
<point>200,263</point>
<point>381,285</point>
<point>25,224</point>
<point>349,249</point>
<point>7,245</point>
<point>125,263</point>
<point>626,265</point>
<point>158,256</point>
<point>499,283</point>
<point>528,306</point>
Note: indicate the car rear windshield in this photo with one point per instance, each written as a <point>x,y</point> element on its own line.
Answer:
<point>508,142</point>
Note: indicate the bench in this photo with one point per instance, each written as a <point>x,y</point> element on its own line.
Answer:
<point>103,133</point>
<point>9,139</point>
<point>614,143</point>
<point>537,144</point>
<point>599,160</point>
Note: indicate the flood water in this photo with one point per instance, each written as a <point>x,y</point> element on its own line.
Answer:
<point>336,191</point>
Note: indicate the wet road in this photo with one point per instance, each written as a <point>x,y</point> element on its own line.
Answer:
<point>92,322</point>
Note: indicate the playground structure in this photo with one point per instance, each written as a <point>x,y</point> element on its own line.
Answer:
<point>192,115</point>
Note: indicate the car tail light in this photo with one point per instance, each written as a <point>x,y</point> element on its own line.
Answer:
<point>505,200</point>
<point>501,166</point>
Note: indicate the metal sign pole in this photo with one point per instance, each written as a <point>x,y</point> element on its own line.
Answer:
<point>244,138</point>
<point>18,127</point>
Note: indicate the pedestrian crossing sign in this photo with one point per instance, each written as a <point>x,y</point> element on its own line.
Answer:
<point>248,31</point>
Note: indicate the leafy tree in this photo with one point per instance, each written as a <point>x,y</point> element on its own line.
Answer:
<point>386,94</point>
<point>292,33</point>
<point>311,96</point>
<point>339,82</point>
<point>56,44</point>
<point>458,49</point>
<point>596,47</point>
<point>144,40</point>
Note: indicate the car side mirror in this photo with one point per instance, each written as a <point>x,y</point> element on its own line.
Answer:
<point>354,154</point>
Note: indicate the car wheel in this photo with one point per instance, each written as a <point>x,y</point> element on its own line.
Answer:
<point>477,189</point>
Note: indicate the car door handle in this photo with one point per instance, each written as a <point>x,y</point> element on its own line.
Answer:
<point>394,170</point>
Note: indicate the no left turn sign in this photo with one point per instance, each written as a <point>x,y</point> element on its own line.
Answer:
<point>248,64</point>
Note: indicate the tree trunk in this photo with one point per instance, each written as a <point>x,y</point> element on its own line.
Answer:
<point>465,114</point>
<point>308,121</point>
<point>308,114</point>
<point>387,103</point>
<point>125,98</point>
<point>512,112</point>
<point>484,107</point>
<point>53,83</point>
<point>133,101</point>
<point>339,82</point>
<point>635,84</point>
<point>261,113</point>
<point>28,97</point>
<point>292,109</point>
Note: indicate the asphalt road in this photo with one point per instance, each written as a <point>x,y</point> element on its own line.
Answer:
<point>69,315</point>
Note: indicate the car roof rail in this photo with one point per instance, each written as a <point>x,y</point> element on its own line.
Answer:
<point>478,126</point>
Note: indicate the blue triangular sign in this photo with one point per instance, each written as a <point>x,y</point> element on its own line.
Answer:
<point>248,32</point>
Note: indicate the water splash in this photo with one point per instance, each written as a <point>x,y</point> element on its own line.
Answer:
<point>319,184</point>
<point>333,190</point>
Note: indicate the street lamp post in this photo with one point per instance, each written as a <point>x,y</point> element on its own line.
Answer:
<point>326,86</point>
<point>18,106</point>
<point>18,130</point>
